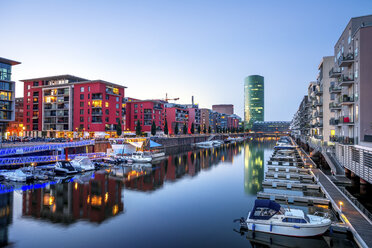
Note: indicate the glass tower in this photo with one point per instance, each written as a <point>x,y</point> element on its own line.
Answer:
<point>253,99</point>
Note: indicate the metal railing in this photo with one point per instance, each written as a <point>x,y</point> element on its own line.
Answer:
<point>357,203</point>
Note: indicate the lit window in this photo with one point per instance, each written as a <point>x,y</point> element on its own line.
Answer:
<point>106,104</point>
<point>82,89</point>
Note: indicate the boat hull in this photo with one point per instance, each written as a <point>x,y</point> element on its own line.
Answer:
<point>293,230</point>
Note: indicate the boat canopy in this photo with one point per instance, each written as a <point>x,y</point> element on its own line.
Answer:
<point>264,209</point>
<point>154,144</point>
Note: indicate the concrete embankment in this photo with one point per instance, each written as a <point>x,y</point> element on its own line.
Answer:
<point>184,140</point>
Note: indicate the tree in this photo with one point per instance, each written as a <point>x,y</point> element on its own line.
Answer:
<point>138,129</point>
<point>176,129</point>
<point>209,129</point>
<point>166,127</point>
<point>184,128</point>
<point>199,129</point>
<point>204,129</point>
<point>192,129</point>
<point>118,128</point>
<point>153,128</point>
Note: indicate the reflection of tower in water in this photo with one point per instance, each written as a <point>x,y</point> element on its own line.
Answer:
<point>6,216</point>
<point>253,167</point>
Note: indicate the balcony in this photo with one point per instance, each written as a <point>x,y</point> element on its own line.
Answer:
<point>345,99</point>
<point>334,122</point>
<point>345,61</point>
<point>346,120</point>
<point>318,103</point>
<point>346,80</point>
<point>334,106</point>
<point>97,96</point>
<point>335,89</point>
<point>346,140</point>
<point>318,114</point>
<point>97,111</point>
<point>335,72</point>
<point>319,91</point>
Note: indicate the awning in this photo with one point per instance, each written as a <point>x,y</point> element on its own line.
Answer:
<point>154,144</point>
<point>136,144</point>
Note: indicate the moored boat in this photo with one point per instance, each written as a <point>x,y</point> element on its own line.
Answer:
<point>140,157</point>
<point>269,217</point>
<point>81,163</point>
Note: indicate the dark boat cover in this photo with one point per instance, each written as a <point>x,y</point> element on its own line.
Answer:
<point>264,209</point>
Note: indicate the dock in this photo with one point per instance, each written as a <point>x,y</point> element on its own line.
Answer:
<point>293,198</point>
<point>293,186</point>
<point>288,169</point>
<point>357,222</point>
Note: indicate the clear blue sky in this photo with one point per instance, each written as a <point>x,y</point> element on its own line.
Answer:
<point>183,48</point>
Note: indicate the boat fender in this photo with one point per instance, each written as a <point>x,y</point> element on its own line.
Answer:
<point>331,230</point>
<point>296,227</point>
<point>271,227</point>
<point>253,227</point>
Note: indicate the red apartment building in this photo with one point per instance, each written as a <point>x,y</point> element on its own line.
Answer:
<point>62,105</point>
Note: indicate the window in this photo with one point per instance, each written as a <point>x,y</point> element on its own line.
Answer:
<point>28,106</point>
<point>81,119</point>
<point>141,105</point>
<point>107,97</point>
<point>117,98</point>
<point>88,88</point>
<point>81,89</point>
<point>294,220</point>
<point>106,104</point>
<point>28,94</point>
<point>88,111</point>
<point>135,105</point>
<point>29,86</point>
<point>88,96</point>
<point>107,119</point>
<point>81,96</point>
<point>81,111</point>
<point>136,111</point>
<point>117,105</point>
<point>117,113</point>
<point>81,104</point>
<point>88,126</point>
<point>135,117</point>
<point>107,111</point>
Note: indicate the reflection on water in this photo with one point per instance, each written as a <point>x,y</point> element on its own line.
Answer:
<point>6,216</point>
<point>95,200</point>
<point>254,162</point>
<point>202,189</point>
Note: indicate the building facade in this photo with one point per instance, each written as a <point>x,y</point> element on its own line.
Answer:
<point>7,93</point>
<point>253,99</point>
<point>16,128</point>
<point>65,105</point>
<point>271,126</point>
<point>223,108</point>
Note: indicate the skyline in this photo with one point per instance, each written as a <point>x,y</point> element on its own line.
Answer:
<point>205,48</point>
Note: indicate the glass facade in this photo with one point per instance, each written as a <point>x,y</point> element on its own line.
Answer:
<point>253,99</point>
<point>5,71</point>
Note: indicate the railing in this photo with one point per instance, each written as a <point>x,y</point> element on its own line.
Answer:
<point>334,122</point>
<point>346,98</point>
<point>348,58</point>
<point>356,203</point>
<point>44,147</point>
<point>333,89</point>
<point>334,105</point>
<point>345,78</point>
<point>346,119</point>
<point>334,72</point>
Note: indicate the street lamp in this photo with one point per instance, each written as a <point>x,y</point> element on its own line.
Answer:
<point>341,203</point>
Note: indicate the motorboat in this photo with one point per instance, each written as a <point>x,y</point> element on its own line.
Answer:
<point>269,217</point>
<point>204,144</point>
<point>217,143</point>
<point>17,176</point>
<point>140,157</point>
<point>81,164</point>
<point>64,168</point>
<point>155,155</point>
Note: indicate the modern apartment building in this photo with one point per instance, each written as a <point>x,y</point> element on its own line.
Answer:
<point>253,99</point>
<point>223,108</point>
<point>301,122</point>
<point>177,115</point>
<point>353,90</point>
<point>7,93</point>
<point>62,105</point>
<point>204,118</point>
<point>16,128</point>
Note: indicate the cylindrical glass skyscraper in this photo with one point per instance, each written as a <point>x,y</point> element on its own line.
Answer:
<point>253,99</point>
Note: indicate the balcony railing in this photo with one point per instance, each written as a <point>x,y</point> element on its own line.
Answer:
<point>347,99</point>
<point>334,105</point>
<point>346,80</point>
<point>344,61</point>
<point>319,91</point>
<point>346,120</point>
<point>334,89</point>
<point>334,121</point>
<point>335,72</point>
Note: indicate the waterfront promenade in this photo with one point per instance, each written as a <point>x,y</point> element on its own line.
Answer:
<point>358,223</point>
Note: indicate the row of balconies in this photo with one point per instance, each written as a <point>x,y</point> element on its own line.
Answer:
<point>341,120</point>
<point>343,140</point>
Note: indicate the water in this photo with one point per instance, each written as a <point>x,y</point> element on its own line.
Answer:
<point>188,200</point>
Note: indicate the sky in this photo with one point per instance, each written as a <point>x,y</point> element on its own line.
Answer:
<point>184,48</point>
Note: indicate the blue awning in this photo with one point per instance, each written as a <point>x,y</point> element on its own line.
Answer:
<point>154,144</point>
<point>260,206</point>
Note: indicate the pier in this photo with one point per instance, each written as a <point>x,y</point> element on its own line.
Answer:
<point>357,222</point>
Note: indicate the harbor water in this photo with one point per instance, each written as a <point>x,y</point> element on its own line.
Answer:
<point>190,199</point>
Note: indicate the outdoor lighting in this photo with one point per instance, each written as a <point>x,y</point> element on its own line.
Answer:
<point>341,203</point>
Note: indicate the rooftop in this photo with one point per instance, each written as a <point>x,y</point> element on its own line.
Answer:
<point>58,77</point>
<point>8,61</point>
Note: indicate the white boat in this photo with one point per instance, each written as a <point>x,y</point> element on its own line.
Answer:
<point>17,176</point>
<point>81,163</point>
<point>155,155</point>
<point>140,157</point>
<point>269,217</point>
<point>64,168</point>
<point>205,144</point>
<point>217,143</point>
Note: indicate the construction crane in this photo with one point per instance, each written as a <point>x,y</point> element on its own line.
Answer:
<point>170,99</point>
